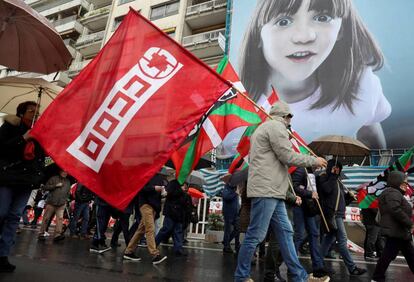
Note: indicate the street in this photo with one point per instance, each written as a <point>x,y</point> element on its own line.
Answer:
<point>71,261</point>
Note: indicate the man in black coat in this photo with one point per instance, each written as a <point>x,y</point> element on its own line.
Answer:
<point>21,170</point>
<point>396,225</point>
<point>332,195</point>
<point>174,212</point>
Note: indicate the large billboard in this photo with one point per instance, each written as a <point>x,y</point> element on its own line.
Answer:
<point>345,67</point>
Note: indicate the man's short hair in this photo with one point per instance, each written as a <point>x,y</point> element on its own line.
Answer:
<point>22,107</point>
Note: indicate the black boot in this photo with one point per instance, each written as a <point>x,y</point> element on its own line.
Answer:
<point>5,265</point>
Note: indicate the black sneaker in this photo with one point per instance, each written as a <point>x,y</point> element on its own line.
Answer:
<point>227,250</point>
<point>371,258</point>
<point>132,257</point>
<point>99,249</point>
<point>158,259</point>
<point>59,238</point>
<point>5,265</point>
<point>358,271</point>
<point>41,237</point>
<point>319,273</point>
<point>180,254</point>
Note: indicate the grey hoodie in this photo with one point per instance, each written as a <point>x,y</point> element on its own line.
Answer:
<point>270,156</point>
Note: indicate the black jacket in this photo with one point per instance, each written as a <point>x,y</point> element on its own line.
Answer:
<point>15,170</point>
<point>299,178</point>
<point>149,196</point>
<point>327,185</point>
<point>175,204</point>
<point>83,194</point>
<point>395,214</point>
<point>368,216</point>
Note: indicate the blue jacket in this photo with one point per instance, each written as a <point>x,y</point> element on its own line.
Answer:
<point>230,202</point>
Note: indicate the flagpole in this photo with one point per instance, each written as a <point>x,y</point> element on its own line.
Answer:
<point>269,116</point>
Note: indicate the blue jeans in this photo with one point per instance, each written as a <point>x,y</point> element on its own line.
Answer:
<point>340,236</point>
<point>12,204</point>
<point>103,214</point>
<point>81,209</point>
<point>231,231</point>
<point>171,227</point>
<point>267,212</point>
<point>302,222</point>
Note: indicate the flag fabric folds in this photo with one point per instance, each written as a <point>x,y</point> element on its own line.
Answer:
<point>120,119</point>
<point>230,112</point>
<point>368,196</point>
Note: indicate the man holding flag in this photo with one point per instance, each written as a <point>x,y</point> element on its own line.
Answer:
<point>270,155</point>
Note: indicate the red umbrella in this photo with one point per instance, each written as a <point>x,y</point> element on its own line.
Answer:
<point>193,192</point>
<point>28,41</point>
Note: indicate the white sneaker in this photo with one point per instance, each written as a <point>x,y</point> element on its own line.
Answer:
<point>46,234</point>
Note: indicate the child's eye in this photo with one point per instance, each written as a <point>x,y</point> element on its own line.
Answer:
<point>283,22</point>
<point>323,18</point>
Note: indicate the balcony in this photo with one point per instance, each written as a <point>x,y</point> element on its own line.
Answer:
<point>70,43</point>
<point>206,14</point>
<point>68,25</point>
<point>76,67</point>
<point>96,20</point>
<point>89,45</point>
<point>56,7</point>
<point>204,45</point>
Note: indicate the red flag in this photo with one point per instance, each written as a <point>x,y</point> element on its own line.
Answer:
<point>121,118</point>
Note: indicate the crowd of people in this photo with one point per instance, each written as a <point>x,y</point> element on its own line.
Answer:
<point>284,209</point>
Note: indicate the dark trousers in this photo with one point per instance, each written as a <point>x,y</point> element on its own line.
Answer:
<point>37,213</point>
<point>103,214</point>
<point>392,247</point>
<point>273,258</point>
<point>231,231</point>
<point>171,227</point>
<point>373,240</point>
<point>121,224</point>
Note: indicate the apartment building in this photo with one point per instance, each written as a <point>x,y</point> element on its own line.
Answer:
<point>195,24</point>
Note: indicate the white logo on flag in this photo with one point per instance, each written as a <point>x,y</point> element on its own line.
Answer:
<point>124,100</point>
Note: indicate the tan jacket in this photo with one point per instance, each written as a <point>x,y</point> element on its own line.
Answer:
<point>270,156</point>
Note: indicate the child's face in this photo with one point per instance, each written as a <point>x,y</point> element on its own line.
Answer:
<point>295,46</point>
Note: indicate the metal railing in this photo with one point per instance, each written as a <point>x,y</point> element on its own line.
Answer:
<point>77,66</point>
<point>206,6</point>
<point>65,20</point>
<point>52,5</point>
<point>204,37</point>
<point>90,38</point>
<point>97,12</point>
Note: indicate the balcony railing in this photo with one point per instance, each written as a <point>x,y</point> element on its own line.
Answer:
<point>97,12</point>
<point>90,38</point>
<point>52,5</point>
<point>204,37</point>
<point>65,20</point>
<point>206,6</point>
<point>77,66</point>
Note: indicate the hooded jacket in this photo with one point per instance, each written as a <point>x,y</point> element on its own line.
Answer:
<point>395,211</point>
<point>328,185</point>
<point>15,170</point>
<point>270,156</point>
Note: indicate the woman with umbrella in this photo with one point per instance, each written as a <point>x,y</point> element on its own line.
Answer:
<point>21,171</point>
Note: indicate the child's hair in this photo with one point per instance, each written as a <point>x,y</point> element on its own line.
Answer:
<point>338,75</point>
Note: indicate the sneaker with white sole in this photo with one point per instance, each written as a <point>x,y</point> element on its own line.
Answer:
<point>99,249</point>
<point>132,257</point>
<point>158,259</point>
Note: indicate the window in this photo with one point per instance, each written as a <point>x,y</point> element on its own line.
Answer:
<point>124,2</point>
<point>117,22</point>
<point>165,10</point>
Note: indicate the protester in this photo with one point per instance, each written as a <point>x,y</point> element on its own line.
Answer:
<point>150,206</point>
<point>59,189</point>
<point>270,154</point>
<point>83,197</point>
<point>373,243</point>
<point>304,219</point>
<point>39,205</point>
<point>21,171</point>
<point>174,212</point>
<point>395,221</point>
<point>231,218</point>
<point>332,195</point>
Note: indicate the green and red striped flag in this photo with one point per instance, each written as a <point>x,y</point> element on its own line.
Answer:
<point>367,197</point>
<point>230,112</point>
<point>240,160</point>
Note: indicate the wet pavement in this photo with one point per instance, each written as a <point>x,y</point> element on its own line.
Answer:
<point>71,261</point>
